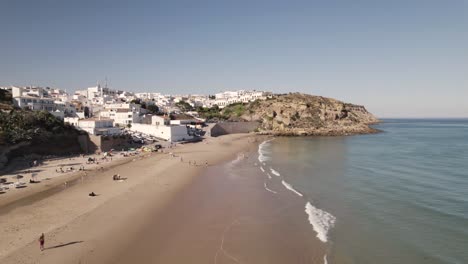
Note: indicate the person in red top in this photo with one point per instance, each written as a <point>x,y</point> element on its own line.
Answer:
<point>41,242</point>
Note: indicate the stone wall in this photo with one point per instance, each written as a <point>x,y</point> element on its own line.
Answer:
<point>225,128</point>
<point>97,144</point>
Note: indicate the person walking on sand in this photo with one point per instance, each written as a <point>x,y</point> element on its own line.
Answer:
<point>41,242</point>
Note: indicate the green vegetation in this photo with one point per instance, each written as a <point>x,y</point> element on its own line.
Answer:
<point>210,113</point>
<point>6,101</point>
<point>153,109</point>
<point>5,97</point>
<point>230,112</point>
<point>184,106</point>
<point>25,125</point>
<point>237,109</point>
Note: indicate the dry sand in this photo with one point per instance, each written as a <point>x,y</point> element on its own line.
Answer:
<point>83,229</point>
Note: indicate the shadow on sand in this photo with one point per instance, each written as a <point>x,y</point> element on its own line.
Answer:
<point>64,245</point>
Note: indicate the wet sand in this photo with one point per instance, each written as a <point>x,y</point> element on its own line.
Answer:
<point>227,216</point>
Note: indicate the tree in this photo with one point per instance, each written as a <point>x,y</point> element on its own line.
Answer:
<point>152,109</point>
<point>135,101</point>
<point>5,96</point>
<point>184,106</point>
<point>86,112</point>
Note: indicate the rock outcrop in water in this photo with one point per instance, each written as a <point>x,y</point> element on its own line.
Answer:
<point>299,114</point>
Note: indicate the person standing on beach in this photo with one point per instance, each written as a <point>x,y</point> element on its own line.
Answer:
<point>41,242</point>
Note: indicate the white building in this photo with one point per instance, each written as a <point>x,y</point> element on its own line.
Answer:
<point>169,133</point>
<point>159,126</point>
<point>35,103</point>
<point>121,116</point>
<point>226,98</point>
<point>94,126</point>
<point>159,120</point>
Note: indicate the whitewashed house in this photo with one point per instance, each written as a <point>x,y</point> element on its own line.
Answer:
<point>160,127</point>
<point>34,103</point>
<point>94,126</point>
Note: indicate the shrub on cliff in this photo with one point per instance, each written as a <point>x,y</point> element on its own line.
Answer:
<point>25,125</point>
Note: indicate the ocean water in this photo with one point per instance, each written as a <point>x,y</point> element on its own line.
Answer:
<point>400,196</point>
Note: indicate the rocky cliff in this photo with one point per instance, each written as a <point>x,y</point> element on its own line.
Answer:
<point>301,114</point>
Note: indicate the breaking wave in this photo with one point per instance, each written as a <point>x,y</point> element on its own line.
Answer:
<point>275,172</point>
<point>266,188</point>
<point>262,152</point>
<point>289,187</point>
<point>321,221</point>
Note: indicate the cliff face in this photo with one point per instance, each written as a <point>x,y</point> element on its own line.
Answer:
<point>302,114</point>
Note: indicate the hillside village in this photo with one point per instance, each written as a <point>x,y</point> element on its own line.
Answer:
<point>102,111</point>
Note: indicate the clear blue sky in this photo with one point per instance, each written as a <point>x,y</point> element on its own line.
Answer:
<point>398,58</point>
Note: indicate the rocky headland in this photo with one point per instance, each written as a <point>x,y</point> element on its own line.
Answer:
<point>297,114</point>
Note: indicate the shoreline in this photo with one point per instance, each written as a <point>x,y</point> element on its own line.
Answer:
<point>226,215</point>
<point>159,179</point>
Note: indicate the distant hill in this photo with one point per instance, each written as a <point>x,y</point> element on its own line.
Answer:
<point>303,114</point>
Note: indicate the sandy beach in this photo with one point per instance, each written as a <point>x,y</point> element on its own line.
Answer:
<point>164,210</point>
<point>83,229</point>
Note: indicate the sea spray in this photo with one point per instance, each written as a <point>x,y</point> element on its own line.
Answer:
<point>320,220</point>
<point>289,187</point>
<point>261,168</point>
<point>325,259</point>
<point>275,172</point>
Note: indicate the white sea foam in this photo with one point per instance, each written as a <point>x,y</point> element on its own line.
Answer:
<point>239,157</point>
<point>266,188</point>
<point>261,168</point>
<point>269,176</point>
<point>321,221</point>
<point>325,259</point>
<point>275,172</point>
<point>262,153</point>
<point>289,187</point>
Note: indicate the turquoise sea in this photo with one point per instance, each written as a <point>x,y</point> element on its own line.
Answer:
<point>400,196</point>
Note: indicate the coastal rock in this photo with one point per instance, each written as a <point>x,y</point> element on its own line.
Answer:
<point>297,114</point>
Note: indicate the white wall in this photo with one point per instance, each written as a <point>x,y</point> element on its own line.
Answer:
<point>171,133</point>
